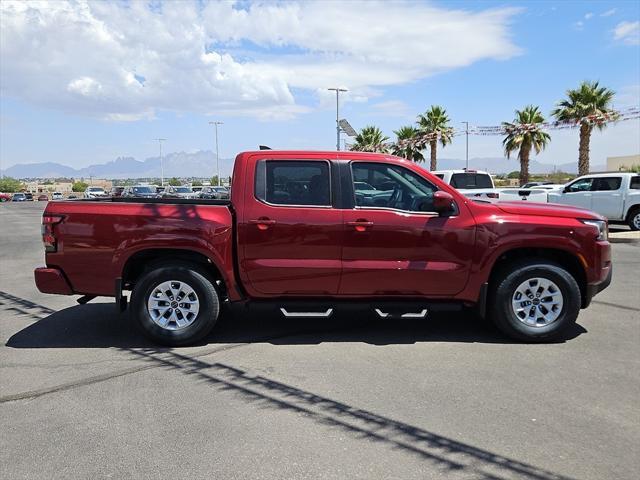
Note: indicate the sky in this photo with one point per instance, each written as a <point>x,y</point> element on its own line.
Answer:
<point>85,82</point>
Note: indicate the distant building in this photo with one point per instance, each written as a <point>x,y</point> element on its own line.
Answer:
<point>617,164</point>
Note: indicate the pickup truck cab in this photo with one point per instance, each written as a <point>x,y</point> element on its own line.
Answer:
<point>470,183</point>
<point>615,196</point>
<point>309,233</point>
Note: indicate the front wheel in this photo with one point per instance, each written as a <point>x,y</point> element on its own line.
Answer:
<point>535,301</point>
<point>176,304</point>
<point>634,219</point>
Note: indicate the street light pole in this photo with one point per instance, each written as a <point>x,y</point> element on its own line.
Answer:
<point>466,131</point>
<point>215,124</point>
<point>160,140</point>
<point>338,90</point>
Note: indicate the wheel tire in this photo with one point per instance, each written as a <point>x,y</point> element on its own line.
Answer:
<point>633,220</point>
<point>506,286</point>
<point>207,298</point>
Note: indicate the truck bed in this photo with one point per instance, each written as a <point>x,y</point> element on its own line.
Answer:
<point>98,238</point>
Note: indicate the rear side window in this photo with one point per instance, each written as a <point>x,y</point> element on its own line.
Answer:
<point>293,183</point>
<point>635,183</point>
<point>471,180</point>
<point>606,183</point>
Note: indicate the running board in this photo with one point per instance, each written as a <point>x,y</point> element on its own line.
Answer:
<point>325,314</point>
<point>420,314</point>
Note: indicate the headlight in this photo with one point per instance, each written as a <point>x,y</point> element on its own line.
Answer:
<point>601,226</point>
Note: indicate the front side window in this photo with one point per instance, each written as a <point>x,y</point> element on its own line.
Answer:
<point>607,183</point>
<point>381,185</point>
<point>583,185</point>
<point>635,183</point>
<point>293,183</point>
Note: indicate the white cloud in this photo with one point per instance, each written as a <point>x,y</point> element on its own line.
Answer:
<point>589,15</point>
<point>125,61</point>
<point>627,32</point>
<point>608,13</point>
<point>393,108</point>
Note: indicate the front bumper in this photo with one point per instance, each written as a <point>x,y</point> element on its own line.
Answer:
<point>52,280</point>
<point>594,288</point>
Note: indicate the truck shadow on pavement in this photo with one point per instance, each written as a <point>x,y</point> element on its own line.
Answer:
<point>100,325</point>
<point>448,456</point>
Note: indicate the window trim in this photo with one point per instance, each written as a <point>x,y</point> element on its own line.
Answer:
<point>263,161</point>
<point>393,209</point>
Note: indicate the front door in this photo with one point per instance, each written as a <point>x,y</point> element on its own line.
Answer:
<point>577,194</point>
<point>290,234</point>
<point>395,244</point>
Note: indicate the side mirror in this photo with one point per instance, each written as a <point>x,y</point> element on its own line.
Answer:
<point>565,189</point>
<point>443,202</point>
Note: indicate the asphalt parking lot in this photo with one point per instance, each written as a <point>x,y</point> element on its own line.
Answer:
<point>83,395</point>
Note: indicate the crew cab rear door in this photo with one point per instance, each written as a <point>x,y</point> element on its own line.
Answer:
<point>395,244</point>
<point>290,234</point>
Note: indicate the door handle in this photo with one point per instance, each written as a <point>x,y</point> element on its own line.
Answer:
<point>360,225</point>
<point>262,223</point>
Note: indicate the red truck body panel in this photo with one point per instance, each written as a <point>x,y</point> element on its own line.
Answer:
<point>267,251</point>
<point>96,239</point>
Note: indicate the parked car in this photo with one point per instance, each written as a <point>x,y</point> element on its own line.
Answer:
<point>615,196</point>
<point>95,192</point>
<point>5,197</point>
<point>43,198</point>
<point>72,196</point>
<point>214,193</point>
<point>116,191</point>
<point>139,191</point>
<point>295,242</point>
<point>159,190</point>
<point>28,196</point>
<point>19,197</point>
<point>535,184</point>
<point>57,196</point>
<point>178,192</point>
<point>474,184</point>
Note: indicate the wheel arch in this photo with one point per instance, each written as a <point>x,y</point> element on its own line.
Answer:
<point>144,260</point>
<point>564,258</point>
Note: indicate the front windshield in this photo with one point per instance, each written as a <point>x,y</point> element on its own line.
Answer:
<point>96,189</point>
<point>183,190</point>
<point>142,190</point>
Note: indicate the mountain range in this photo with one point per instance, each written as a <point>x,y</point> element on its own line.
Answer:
<point>203,164</point>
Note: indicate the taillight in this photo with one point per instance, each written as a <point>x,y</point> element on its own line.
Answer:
<point>48,232</point>
<point>492,195</point>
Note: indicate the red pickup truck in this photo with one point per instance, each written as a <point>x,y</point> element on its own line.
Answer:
<point>312,232</point>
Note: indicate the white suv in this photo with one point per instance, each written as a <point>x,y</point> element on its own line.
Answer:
<point>94,192</point>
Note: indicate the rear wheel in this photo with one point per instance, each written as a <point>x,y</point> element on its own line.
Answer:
<point>634,219</point>
<point>535,300</point>
<point>176,304</point>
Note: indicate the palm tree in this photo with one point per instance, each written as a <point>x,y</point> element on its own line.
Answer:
<point>405,146</point>
<point>524,134</point>
<point>434,125</point>
<point>370,139</point>
<point>590,105</point>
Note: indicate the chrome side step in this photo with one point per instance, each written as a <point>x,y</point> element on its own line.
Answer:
<point>421,314</point>
<point>325,314</point>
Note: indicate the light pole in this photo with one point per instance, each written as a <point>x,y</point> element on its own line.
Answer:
<point>160,140</point>
<point>466,131</point>
<point>215,124</point>
<point>338,90</point>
